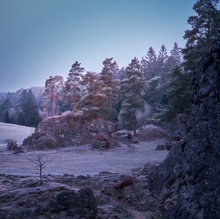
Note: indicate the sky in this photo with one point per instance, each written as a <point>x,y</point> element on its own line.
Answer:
<point>42,38</point>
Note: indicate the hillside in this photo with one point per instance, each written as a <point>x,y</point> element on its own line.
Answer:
<point>15,132</point>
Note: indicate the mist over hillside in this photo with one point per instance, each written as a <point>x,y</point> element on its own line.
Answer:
<point>14,96</point>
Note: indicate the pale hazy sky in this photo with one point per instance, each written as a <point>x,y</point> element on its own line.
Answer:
<point>39,38</point>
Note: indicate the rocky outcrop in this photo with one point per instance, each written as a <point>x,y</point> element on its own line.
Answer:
<point>103,196</point>
<point>188,182</point>
<point>72,129</point>
<point>81,204</point>
<point>56,202</point>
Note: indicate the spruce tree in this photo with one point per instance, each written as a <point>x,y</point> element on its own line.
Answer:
<point>133,90</point>
<point>149,64</point>
<point>179,92</point>
<point>175,53</point>
<point>108,80</point>
<point>162,57</point>
<point>7,118</point>
<point>176,96</point>
<point>29,113</point>
<point>4,108</point>
<point>109,87</point>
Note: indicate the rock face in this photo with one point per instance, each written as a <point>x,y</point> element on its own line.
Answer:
<point>76,205</point>
<point>41,203</point>
<point>103,196</point>
<point>188,181</point>
<point>72,129</point>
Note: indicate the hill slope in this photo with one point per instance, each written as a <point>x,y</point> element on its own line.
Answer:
<point>15,132</point>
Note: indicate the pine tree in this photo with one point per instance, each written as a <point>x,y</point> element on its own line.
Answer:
<point>203,32</point>
<point>53,86</point>
<point>133,89</point>
<point>149,64</point>
<point>91,82</point>
<point>107,79</point>
<point>73,84</point>
<point>109,86</point>
<point>92,101</point>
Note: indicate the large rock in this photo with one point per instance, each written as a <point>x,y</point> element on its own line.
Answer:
<point>72,129</point>
<point>44,203</point>
<point>76,205</point>
<point>188,182</point>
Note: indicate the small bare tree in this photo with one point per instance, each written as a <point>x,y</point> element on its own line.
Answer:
<point>40,160</point>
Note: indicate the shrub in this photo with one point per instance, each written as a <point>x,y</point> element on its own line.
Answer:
<point>11,144</point>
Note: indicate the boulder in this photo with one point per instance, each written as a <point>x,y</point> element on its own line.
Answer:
<point>81,204</point>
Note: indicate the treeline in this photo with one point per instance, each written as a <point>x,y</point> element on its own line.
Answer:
<point>22,107</point>
<point>160,81</point>
<point>120,95</point>
<point>156,86</point>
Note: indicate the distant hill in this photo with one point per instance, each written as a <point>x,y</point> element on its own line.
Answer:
<point>15,132</point>
<point>9,101</point>
<point>14,96</point>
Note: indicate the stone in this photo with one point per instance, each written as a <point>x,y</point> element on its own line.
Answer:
<point>81,204</point>
<point>188,180</point>
<point>70,130</point>
<point>124,182</point>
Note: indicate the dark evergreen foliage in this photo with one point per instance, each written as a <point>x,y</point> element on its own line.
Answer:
<point>4,107</point>
<point>133,90</point>
<point>204,30</point>
<point>160,81</point>
<point>73,85</point>
<point>28,114</point>
<point>175,98</point>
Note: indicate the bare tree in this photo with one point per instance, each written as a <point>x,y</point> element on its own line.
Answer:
<point>40,161</point>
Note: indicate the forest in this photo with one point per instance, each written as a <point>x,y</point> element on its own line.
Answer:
<point>100,144</point>
<point>153,89</point>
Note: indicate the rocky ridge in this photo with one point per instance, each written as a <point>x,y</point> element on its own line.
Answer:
<point>188,180</point>
<point>106,195</point>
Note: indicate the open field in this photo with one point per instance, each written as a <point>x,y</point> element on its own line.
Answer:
<point>75,160</point>
<point>15,132</point>
<point>101,170</point>
<point>82,160</point>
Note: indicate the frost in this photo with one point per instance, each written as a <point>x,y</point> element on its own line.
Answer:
<point>15,132</point>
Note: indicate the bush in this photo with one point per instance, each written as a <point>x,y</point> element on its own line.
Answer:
<point>11,144</point>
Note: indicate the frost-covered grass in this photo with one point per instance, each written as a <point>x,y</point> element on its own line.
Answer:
<point>83,160</point>
<point>15,132</point>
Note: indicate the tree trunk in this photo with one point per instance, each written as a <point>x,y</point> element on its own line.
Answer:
<point>53,106</point>
<point>74,106</point>
<point>135,122</point>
